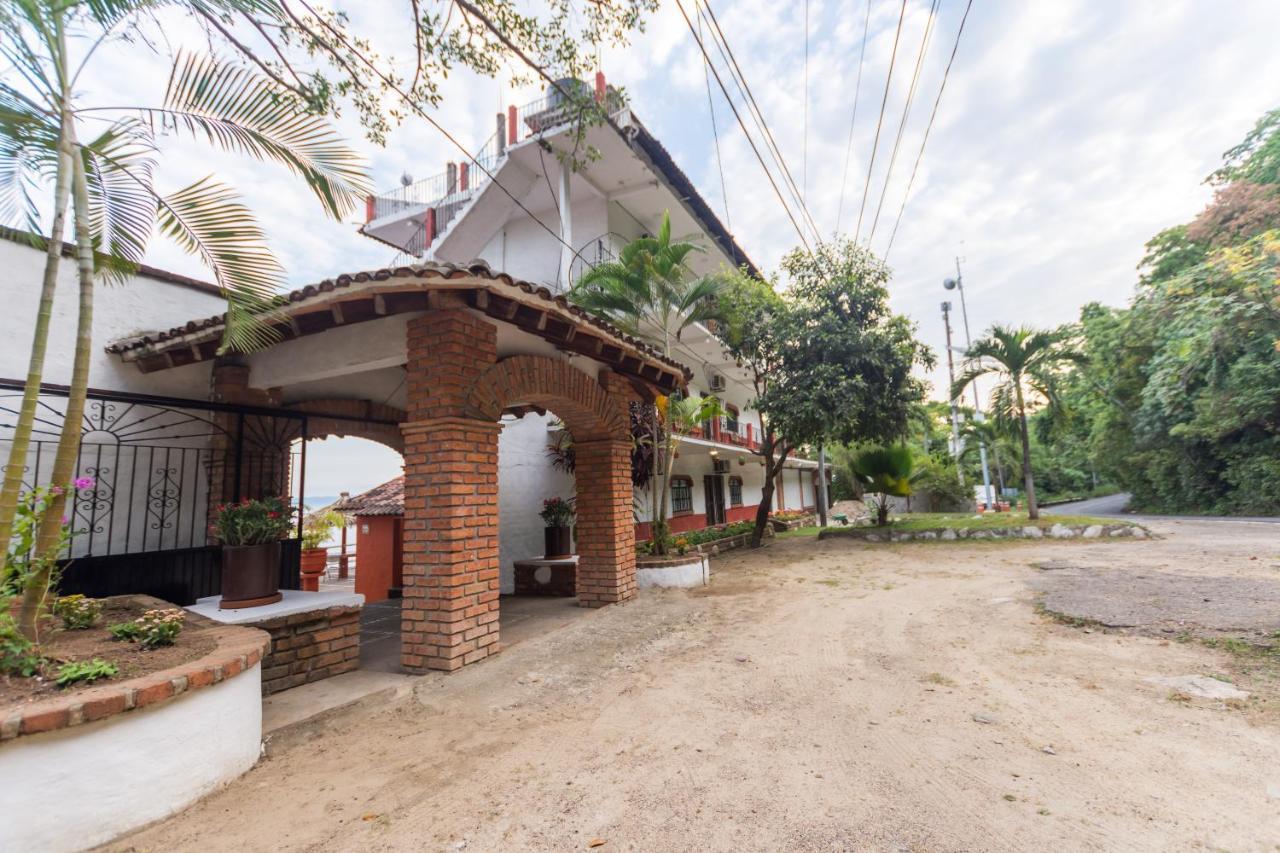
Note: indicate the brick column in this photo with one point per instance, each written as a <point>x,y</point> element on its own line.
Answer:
<point>606,529</point>
<point>450,608</point>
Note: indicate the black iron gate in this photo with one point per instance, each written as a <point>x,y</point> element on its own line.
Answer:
<point>158,467</point>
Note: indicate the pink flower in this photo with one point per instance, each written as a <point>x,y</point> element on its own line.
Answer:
<point>66,520</point>
<point>55,490</point>
<point>85,483</point>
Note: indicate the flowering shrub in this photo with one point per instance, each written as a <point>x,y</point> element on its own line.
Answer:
<point>557,512</point>
<point>253,522</point>
<point>681,544</point>
<point>22,566</point>
<point>789,514</point>
<point>151,629</point>
<point>77,612</point>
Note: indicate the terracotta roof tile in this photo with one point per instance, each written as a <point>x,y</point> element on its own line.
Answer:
<point>387,499</point>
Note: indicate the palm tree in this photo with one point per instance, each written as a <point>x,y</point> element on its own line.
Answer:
<point>109,181</point>
<point>650,292</point>
<point>1025,361</point>
<point>997,437</point>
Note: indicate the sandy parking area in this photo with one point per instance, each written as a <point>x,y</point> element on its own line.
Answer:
<point>817,696</point>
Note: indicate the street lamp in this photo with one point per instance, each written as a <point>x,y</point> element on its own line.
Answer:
<point>957,283</point>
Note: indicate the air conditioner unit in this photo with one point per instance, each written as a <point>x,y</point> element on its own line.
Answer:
<point>717,382</point>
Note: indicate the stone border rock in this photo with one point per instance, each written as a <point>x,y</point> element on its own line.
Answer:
<point>682,571</point>
<point>952,534</point>
<point>237,649</point>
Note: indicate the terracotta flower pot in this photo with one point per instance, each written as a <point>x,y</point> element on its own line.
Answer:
<point>250,575</point>
<point>559,542</point>
<point>312,567</point>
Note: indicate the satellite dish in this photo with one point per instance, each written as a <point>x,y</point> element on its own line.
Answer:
<point>406,179</point>
<point>949,283</point>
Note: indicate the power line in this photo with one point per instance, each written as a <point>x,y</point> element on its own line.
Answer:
<point>741,124</point>
<point>920,155</point>
<point>804,157</point>
<point>711,108</point>
<point>390,83</point>
<point>857,87</point>
<point>722,44</point>
<point>906,111</point>
<point>879,122</point>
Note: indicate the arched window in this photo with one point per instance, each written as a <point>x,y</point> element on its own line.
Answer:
<point>681,495</point>
<point>735,491</point>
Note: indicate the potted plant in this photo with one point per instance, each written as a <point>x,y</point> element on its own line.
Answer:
<point>316,530</point>
<point>557,514</point>
<point>250,533</point>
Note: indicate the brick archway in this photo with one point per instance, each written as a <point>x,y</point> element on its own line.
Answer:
<point>457,390</point>
<point>359,419</point>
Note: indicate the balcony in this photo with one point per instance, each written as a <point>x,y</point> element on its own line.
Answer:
<point>433,203</point>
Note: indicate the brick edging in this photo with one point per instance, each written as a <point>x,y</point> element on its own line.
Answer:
<point>238,650</point>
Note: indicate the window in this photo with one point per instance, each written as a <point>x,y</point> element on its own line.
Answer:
<point>681,495</point>
<point>731,419</point>
<point>735,491</point>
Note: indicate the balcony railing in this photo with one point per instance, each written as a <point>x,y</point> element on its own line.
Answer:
<point>434,202</point>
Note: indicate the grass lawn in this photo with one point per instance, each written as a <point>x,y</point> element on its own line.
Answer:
<point>990,520</point>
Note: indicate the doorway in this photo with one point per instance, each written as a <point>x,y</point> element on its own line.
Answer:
<point>713,492</point>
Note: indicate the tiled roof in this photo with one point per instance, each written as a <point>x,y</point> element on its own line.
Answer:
<point>426,271</point>
<point>387,499</point>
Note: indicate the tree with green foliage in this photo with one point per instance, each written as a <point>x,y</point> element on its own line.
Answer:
<point>1026,363</point>
<point>830,363</point>
<point>109,180</point>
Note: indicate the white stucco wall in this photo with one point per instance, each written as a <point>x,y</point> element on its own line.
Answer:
<point>525,479</point>
<point>791,488</point>
<point>79,787</point>
<point>120,310</point>
<point>524,249</point>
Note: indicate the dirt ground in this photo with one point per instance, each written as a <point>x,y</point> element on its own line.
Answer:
<point>817,696</point>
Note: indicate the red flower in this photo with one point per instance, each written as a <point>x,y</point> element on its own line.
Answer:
<point>273,515</point>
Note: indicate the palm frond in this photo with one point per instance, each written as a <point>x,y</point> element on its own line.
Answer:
<point>239,110</point>
<point>122,202</point>
<point>28,149</point>
<point>208,220</point>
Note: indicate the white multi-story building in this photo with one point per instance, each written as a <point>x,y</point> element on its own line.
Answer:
<point>160,463</point>
<point>533,206</point>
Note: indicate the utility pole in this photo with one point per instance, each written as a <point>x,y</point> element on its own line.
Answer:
<point>957,283</point>
<point>822,486</point>
<point>955,406</point>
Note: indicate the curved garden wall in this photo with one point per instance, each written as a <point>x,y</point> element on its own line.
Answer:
<point>80,769</point>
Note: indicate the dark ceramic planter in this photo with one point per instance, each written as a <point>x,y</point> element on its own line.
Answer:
<point>250,575</point>
<point>559,541</point>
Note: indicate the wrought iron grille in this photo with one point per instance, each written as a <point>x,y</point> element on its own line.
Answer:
<point>153,465</point>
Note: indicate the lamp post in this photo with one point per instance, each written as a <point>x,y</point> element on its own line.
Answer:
<point>957,283</point>
<point>955,405</point>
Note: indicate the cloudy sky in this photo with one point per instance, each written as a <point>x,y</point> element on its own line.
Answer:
<point>1069,133</point>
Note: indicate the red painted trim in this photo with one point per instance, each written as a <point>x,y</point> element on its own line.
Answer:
<point>696,521</point>
<point>463,171</point>
<point>368,208</point>
<point>511,125</point>
<point>600,87</point>
<point>431,225</point>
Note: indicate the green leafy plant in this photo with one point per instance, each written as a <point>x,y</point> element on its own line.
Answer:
<point>253,522</point>
<point>77,612</point>
<point>18,655</point>
<point>151,629</point>
<point>319,526</point>
<point>85,672</point>
<point>884,472</point>
<point>557,512</point>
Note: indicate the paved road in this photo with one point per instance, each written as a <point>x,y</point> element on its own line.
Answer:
<point>1115,504</point>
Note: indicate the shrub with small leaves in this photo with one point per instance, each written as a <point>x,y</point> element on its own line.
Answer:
<point>151,629</point>
<point>85,671</point>
<point>77,612</point>
<point>18,655</point>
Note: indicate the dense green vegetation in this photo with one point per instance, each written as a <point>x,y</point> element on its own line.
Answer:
<point>1180,403</point>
